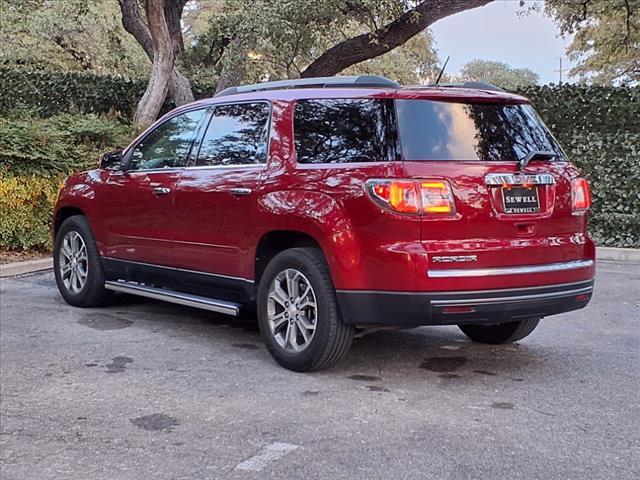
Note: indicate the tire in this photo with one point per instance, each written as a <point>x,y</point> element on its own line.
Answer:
<point>329,340</point>
<point>76,230</point>
<point>500,333</point>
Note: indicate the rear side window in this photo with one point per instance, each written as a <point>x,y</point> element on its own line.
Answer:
<point>431,130</point>
<point>236,135</point>
<point>345,130</point>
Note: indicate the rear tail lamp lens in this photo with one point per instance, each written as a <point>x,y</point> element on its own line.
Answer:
<point>413,197</point>
<point>580,195</point>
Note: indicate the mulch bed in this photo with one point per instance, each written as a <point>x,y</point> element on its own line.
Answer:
<point>11,256</point>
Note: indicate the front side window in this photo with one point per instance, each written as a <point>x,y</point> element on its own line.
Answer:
<point>236,135</point>
<point>168,145</point>
<point>345,130</point>
<point>432,130</point>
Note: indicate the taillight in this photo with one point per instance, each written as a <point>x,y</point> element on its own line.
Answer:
<point>580,195</point>
<point>413,197</point>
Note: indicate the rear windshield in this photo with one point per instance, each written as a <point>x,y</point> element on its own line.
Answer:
<point>431,130</point>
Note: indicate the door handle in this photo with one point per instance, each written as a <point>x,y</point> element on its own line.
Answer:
<point>160,191</point>
<point>240,191</point>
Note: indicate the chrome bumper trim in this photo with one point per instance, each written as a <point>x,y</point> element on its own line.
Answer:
<point>513,299</point>
<point>490,272</point>
<point>519,179</point>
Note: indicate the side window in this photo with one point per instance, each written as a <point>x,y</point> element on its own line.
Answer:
<point>236,135</point>
<point>168,145</point>
<point>345,130</point>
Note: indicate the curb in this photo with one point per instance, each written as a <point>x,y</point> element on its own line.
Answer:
<point>21,268</point>
<point>618,254</point>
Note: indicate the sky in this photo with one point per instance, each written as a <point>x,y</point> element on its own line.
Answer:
<point>496,32</point>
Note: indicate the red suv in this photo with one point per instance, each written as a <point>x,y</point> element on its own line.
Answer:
<point>337,204</point>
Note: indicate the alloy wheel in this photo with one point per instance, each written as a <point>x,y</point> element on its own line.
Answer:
<point>74,262</point>
<point>292,310</point>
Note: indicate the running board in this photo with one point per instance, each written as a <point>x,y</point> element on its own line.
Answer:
<point>205,303</point>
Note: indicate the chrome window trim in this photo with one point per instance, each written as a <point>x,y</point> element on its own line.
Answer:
<point>525,269</point>
<point>519,179</point>
<point>152,170</point>
<point>242,165</point>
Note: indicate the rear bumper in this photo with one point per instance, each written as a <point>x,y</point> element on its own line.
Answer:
<point>406,309</point>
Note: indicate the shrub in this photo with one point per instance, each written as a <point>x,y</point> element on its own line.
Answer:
<point>598,127</point>
<point>25,211</point>
<point>59,144</point>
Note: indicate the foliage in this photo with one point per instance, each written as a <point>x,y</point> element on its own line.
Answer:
<point>25,211</point>
<point>413,63</point>
<point>498,73</point>
<point>68,35</point>
<point>49,93</point>
<point>599,128</point>
<point>58,144</point>
<point>606,42</point>
<point>277,38</point>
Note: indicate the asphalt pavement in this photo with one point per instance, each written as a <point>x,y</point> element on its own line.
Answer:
<point>148,390</point>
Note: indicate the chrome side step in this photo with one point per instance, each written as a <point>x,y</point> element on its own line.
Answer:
<point>205,303</point>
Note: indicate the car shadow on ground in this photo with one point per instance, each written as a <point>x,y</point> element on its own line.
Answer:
<point>444,351</point>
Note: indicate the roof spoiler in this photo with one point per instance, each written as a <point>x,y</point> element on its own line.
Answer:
<point>472,85</point>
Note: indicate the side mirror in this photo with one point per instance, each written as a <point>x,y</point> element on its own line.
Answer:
<point>111,160</point>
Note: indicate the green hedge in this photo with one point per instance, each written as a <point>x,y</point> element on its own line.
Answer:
<point>59,144</point>
<point>599,128</point>
<point>51,93</point>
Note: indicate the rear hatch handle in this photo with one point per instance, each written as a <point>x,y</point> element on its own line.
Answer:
<point>536,154</point>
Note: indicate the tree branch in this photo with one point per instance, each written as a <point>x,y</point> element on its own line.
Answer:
<point>133,23</point>
<point>370,45</point>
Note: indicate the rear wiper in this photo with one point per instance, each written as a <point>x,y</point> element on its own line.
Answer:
<point>535,154</point>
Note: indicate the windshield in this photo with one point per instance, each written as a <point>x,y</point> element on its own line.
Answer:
<point>432,130</point>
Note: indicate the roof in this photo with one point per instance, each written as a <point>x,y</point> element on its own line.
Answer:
<point>364,86</point>
<point>425,92</point>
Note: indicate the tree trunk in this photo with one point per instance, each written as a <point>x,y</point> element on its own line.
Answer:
<point>235,67</point>
<point>370,45</point>
<point>161,72</point>
<point>179,86</point>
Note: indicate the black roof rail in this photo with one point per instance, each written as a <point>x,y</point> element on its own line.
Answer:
<point>472,85</point>
<point>314,82</point>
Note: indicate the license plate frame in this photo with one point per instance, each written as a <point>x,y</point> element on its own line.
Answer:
<point>518,200</point>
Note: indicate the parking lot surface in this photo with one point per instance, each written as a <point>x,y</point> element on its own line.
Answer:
<point>148,390</point>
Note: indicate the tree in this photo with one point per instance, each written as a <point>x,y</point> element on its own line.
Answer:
<point>163,64</point>
<point>498,73</point>
<point>67,35</point>
<point>172,10</point>
<point>297,38</point>
<point>386,37</point>
<point>415,62</point>
<point>606,42</point>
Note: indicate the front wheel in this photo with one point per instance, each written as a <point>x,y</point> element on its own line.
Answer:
<point>500,333</point>
<point>298,312</point>
<point>77,265</point>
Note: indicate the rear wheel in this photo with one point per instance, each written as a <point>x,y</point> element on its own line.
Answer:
<point>77,265</point>
<point>298,312</point>
<point>500,333</point>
